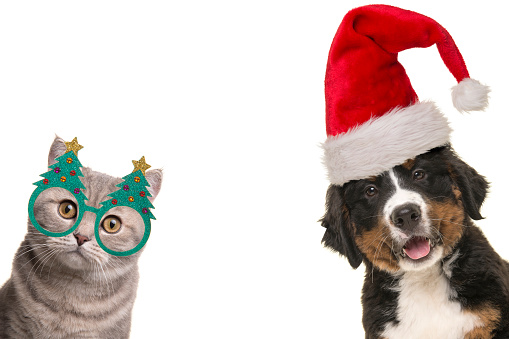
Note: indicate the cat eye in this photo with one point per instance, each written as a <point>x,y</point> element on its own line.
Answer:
<point>67,209</point>
<point>111,224</point>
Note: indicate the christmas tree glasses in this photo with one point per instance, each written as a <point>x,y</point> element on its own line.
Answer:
<point>132,196</point>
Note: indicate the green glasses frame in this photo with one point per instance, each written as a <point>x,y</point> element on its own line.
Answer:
<point>67,166</point>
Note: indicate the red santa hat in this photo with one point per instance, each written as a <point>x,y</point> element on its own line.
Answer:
<point>374,119</point>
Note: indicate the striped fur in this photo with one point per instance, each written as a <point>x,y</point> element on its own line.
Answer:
<point>59,289</point>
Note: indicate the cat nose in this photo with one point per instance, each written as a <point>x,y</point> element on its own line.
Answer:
<point>81,239</point>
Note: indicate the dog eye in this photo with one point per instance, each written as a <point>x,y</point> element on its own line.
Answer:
<point>371,191</point>
<point>419,175</point>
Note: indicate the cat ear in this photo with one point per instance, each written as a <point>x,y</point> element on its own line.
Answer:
<point>57,149</point>
<point>154,178</point>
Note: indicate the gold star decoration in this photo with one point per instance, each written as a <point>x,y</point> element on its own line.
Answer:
<point>141,165</point>
<point>73,146</point>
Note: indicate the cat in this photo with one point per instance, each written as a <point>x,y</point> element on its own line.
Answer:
<point>68,287</point>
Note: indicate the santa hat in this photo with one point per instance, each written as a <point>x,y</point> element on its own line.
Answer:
<point>373,116</point>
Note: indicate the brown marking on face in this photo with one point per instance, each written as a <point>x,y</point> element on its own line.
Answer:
<point>452,173</point>
<point>454,177</point>
<point>490,318</point>
<point>345,211</point>
<point>447,218</point>
<point>376,244</point>
<point>409,164</point>
<point>457,192</point>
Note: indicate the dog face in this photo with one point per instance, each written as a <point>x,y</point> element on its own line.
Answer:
<point>407,218</point>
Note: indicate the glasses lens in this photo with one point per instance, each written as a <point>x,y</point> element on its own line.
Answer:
<point>121,231</point>
<point>55,211</point>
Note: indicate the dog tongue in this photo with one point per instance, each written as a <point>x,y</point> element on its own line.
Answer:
<point>417,248</point>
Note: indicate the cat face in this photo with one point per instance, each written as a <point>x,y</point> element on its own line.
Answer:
<point>56,210</point>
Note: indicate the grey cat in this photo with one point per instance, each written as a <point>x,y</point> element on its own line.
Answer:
<point>68,287</point>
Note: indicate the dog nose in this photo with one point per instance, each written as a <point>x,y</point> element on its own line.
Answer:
<point>406,216</point>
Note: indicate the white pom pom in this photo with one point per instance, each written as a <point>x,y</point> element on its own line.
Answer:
<point>470,95</point>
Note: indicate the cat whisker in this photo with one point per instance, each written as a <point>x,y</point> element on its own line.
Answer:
<point>106,279</point>
<point>92,274</point>
<point>42,261</point>
<point>43,252</point>
<point>54,257</point>
<point>40,256</point>
<point>117,266</point>
<point>32,248</point>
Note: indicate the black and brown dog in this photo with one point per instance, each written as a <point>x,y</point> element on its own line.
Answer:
<point>430,272</point>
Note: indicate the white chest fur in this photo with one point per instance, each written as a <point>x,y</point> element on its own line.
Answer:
<point>425,311</point>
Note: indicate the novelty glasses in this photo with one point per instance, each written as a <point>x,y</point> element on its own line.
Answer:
<point>130,199</point>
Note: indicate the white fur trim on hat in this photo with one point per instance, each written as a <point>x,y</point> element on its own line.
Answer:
<point>470,95</point>
<point>384,142</point>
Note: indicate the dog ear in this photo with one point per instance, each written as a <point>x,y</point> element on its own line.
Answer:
<point>472,185</point>
<point>339,233</point>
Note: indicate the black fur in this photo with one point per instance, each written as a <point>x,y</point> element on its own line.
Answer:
<point>479,275</point>
<point>472,185</point>
<point>379,300</point>
<point>339,233</point>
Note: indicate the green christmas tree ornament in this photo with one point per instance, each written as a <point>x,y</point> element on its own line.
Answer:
<point>65,174</point>
<point>132,193</point>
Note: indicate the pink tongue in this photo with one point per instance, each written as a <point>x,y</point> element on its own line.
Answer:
<point>417,248</point>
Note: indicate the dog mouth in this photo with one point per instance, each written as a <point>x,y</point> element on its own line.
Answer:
<point>417,248</point>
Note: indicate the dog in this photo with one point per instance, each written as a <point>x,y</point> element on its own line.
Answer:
<point>430,272</point>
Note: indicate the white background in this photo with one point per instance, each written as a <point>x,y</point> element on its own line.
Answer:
<point>227,98</point>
